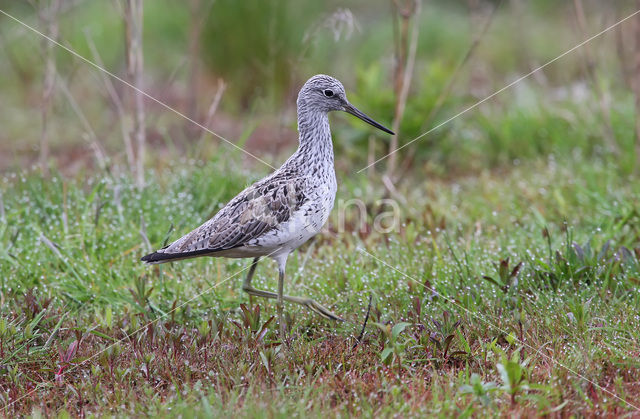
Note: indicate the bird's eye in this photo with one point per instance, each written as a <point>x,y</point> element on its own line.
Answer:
<point>328,92</point>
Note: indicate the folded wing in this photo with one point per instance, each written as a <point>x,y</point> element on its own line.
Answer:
<point>254,212</point>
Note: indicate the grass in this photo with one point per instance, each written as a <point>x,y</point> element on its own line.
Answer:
<point>508,288</point>
<point>455,329</point>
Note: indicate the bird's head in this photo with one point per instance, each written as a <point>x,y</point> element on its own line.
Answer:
<point>325,94</point>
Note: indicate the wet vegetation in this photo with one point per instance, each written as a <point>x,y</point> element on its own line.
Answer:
<point>456,326</point>
<point>508,286</point>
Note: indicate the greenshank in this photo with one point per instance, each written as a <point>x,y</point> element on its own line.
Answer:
<point>277,214</point>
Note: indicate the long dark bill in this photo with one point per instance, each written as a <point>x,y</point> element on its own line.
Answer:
<point>349,108</point>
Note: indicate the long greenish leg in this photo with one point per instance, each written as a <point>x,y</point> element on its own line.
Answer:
<point>246,285</point>
<point>307,302</point>
<point>281,302</point>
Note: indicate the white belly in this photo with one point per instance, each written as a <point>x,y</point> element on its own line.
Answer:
<point>303,224</point>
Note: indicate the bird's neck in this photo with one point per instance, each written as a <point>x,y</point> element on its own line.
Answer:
<point>316,147</point>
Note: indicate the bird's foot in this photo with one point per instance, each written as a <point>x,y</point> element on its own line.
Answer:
<point>320,309</point>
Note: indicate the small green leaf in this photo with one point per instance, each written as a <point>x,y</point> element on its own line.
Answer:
<point>383,328</point>
<point>515,270</point>
<point>108,317</point>
<point>385,356</point>
<point>265,360</point>
<point>491,280</point>
<point>398,328</point>
<point>510,338</point>
<point>462,339</point>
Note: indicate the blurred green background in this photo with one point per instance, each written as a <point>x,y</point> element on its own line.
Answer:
<point>264,51</point>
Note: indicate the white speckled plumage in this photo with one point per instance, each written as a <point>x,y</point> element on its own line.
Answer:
<point>277,214</point>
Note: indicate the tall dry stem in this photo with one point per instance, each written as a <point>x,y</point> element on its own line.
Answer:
<point>445,93</point>
<point>590,69</point>
<point>90,135</point>
<point>194,51</point>
<point>213,107</point>
<point>198,13</point>
<point>626,67</point>
<point>49,19</point>
<point>117,103</point>
<point>636,76</point>
<point>406,15</point>
<point>133,16</point>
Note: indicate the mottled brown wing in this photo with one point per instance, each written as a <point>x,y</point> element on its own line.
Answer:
<point>256,211</point>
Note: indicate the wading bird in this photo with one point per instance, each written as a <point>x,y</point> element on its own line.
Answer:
<point>277,214</point>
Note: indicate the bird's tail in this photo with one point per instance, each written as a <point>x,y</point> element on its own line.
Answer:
<point>162,257</point>
<point>158,257</point>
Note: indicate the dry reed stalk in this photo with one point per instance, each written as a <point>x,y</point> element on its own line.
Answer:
<point>117,102</point>
<point>49,19</point>
<point>196,20</point>
<point>405,61</point>
<point>621,51</point>
<point>636,84</point>
<point>133,16</point>
<point>214,106</point>
<point>446,91</point>
<point>90,135</point>
<point>590,69</point>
